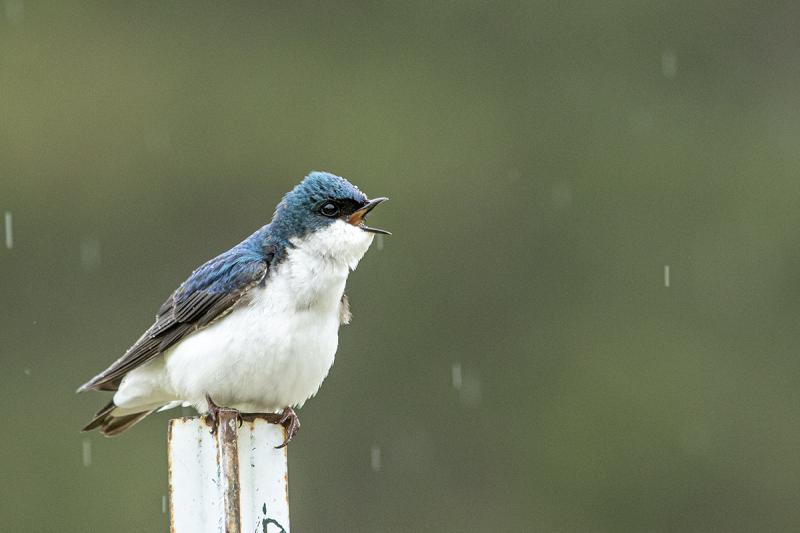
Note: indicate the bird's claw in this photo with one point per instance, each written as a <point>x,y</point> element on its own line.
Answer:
<point>212,416</point>
<point>291,424</point>
<point>287,418</point>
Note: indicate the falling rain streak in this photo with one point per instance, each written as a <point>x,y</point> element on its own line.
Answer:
<point>163,504</point>
<point>666,276</point>
<point>9,231</point>
<point>379,242</point>
<point>15,11</point>
<point>375,458</point>
<point>90,253</point>
<point>470,394</point>
<point>456,375</point>
<point>669,64</point>
<point>87,453</point>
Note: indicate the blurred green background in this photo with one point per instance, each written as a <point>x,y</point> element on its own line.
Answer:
<point>515,356</point>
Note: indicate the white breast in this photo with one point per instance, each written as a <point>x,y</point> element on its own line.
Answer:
<point>278,344</point>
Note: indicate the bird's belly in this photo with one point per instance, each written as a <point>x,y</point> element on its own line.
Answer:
<point>261,357</point>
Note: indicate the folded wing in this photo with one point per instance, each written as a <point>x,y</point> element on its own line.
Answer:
<point>210,292</point>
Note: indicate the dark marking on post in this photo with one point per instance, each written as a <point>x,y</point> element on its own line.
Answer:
<point>228,455</point>
<point>266,521</point>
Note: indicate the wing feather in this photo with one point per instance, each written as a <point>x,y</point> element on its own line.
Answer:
<point>210,292</point>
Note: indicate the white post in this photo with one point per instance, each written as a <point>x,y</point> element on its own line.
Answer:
<point>231,482</point>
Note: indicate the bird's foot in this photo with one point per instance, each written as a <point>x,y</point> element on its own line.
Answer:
<point>214,410</point>
<point>288,419</point>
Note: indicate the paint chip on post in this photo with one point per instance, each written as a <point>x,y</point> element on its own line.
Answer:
<point>9,231</point>
<point>666,276</point>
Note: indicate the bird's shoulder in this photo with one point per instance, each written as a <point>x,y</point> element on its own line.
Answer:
<point>226,276</point>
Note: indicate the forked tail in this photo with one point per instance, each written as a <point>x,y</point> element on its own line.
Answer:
<point>110,424</point>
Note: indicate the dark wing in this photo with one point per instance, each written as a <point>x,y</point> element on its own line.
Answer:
<point>210,292</point>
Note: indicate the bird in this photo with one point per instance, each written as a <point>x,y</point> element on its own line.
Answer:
<point>255,329</point>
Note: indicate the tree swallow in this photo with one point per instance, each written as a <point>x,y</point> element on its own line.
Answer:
<point>256,328</point>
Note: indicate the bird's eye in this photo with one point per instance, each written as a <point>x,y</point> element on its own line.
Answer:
<point>329,209</point>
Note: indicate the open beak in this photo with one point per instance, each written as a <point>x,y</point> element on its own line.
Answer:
<point>358,216</point>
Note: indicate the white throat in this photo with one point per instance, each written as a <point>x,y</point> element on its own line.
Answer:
<point>318,264</point>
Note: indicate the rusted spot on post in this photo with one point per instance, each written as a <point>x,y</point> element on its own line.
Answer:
<point>228,460</point>
<point>169,479</point>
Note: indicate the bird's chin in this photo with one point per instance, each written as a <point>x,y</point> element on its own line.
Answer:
<point>339,242</point>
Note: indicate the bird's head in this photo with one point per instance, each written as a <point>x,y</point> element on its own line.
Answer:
<point>328,214</point>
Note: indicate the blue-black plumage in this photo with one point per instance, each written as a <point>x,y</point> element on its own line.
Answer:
<point>256,327</point>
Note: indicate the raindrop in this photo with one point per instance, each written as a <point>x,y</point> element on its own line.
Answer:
<point>561,195</point>
<point>379,242</point>
<point>87,453</point>
<point>669,64</point>
<point>90,253</point>
<point>666,276</point>
<point>9,231</point>
<point>15,11</point>
<point>456,375</point>
<point>27,371</point>
<point>375,458</point>
<point>163,504</point>
<point>470,393</point>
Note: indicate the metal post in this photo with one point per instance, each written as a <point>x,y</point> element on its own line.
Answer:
<point>231,482</point>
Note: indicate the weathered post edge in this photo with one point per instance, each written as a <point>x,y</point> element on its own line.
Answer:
<point>228,482</point>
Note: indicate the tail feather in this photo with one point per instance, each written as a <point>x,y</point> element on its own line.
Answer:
<point>111,425</point>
